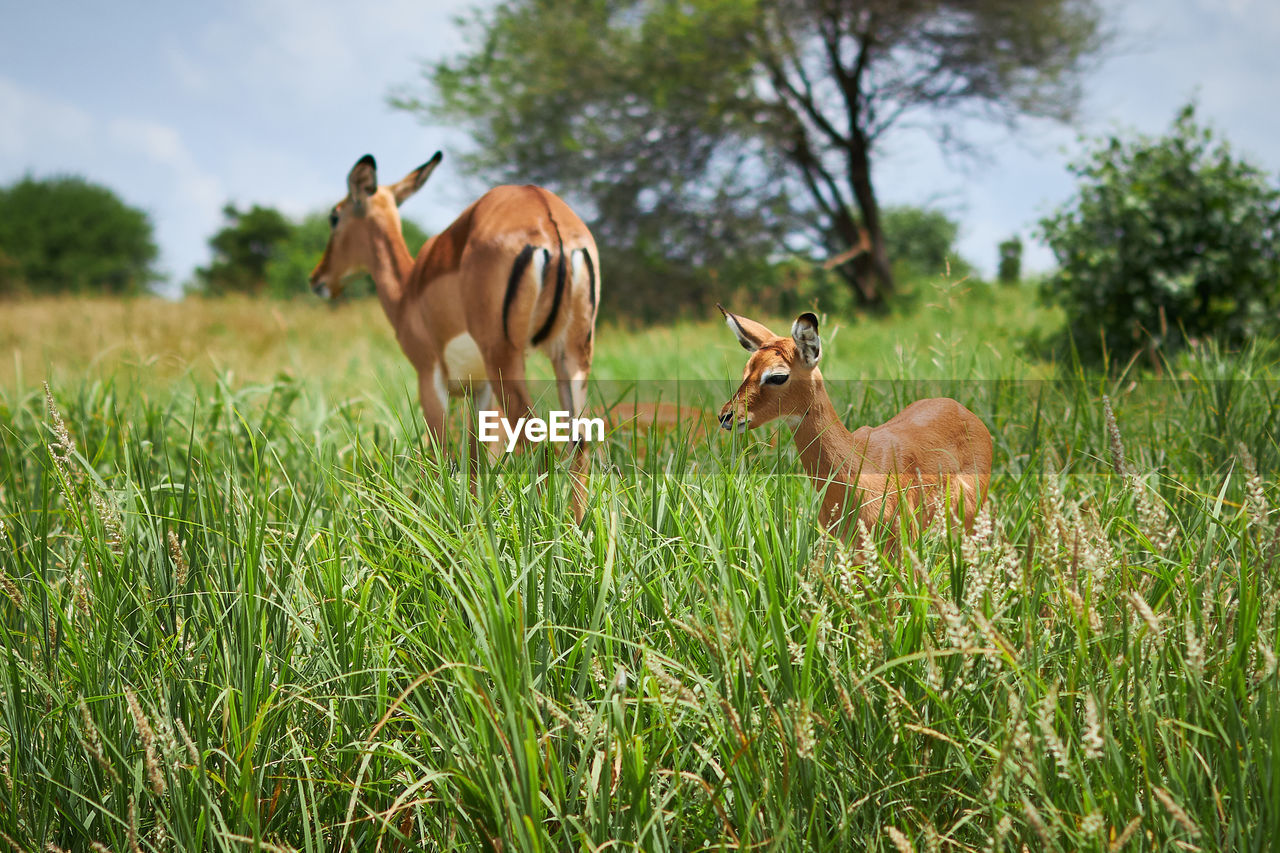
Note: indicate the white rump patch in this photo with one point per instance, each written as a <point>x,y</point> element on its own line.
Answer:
<point>462,359</point>
<point>579,268</point>
<point>538,265</point>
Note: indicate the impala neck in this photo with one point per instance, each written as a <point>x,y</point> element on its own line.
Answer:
<point>392,265</point>
<point>826,447</point>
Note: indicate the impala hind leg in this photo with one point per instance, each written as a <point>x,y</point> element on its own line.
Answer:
<point>481,401</point>
<point>571,384</point>
<point>509,391</point>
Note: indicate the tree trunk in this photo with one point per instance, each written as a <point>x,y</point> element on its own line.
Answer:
<point>871,269</point>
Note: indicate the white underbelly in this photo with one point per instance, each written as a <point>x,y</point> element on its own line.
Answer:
<point>462,361</point>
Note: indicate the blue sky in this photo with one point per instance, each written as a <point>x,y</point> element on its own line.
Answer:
<point>182,107</point>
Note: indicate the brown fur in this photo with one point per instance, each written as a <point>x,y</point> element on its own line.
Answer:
<point>456,289</point>
<point>935,452</point>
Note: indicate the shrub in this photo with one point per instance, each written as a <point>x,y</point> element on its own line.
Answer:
<point>1010,269</point>
<point>1167,239</point>
<point>921,242</point>
<point>66,234</point>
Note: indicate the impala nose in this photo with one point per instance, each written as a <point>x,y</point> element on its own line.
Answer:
<point>726,420</point>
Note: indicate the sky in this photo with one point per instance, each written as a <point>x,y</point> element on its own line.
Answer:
<point>181,108</point>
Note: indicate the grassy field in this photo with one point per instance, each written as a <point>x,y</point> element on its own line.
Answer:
<point>241,609</point>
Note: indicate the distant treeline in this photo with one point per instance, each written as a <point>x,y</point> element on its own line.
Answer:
<point>1168,240</point>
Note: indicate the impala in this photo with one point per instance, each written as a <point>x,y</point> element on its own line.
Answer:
<point>935,452</point>
<point>517,270</point>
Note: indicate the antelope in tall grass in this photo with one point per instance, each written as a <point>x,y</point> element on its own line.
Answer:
<point>935,452</point>
<point>517,270</point>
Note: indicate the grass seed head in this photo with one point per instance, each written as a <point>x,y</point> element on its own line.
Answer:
<point>1144,612</point>
<point>900,840</point>
<point>1177,812</point>
<point>1255,498</point>
<point>133,825</point>
<point>1123,838</point>
<point>62,446</point>
<point>179,561</point>
<point>148,736</point>
<point>11,589</point>
<point>1091,738</point>
<point>1045,718</point>
<point>1118,463</point>
<point>1195,650</point>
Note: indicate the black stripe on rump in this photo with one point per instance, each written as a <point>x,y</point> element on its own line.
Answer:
<point>555,301</point>
<point>513,283</point>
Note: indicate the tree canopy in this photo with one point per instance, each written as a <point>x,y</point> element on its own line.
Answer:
<point>716,131</point>
<point>65,234</point>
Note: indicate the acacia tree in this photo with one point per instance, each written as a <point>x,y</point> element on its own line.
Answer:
<point>718,127</point>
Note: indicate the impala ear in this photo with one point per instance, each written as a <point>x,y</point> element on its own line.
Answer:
<point>412,182</point>
<point>362,180</point>
<point>805,333</point>
<point>751,335</point>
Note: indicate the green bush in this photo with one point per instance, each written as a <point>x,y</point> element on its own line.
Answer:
<point>66,234</point>
<point>1167,239</point>
<point>922,243</point>
<point>1010,270</point>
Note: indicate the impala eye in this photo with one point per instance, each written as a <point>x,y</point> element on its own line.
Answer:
<point>333,218</point>
<point>776,378</point>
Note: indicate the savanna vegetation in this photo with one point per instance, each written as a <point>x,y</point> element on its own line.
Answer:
<point>242,608</point>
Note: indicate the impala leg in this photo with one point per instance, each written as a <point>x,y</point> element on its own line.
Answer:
<point>571,384</point>
<point>433,394</point>
<point>481,400</point>
<point>506,380</point>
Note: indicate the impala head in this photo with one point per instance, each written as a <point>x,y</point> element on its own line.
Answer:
<point>781,374</point>
<point>363,220</point>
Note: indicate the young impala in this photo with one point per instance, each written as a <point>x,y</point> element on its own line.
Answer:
<point>517,270</point>
<point>932,451</point>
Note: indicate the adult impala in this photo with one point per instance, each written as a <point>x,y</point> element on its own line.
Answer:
<point>934,450</point>
<point>517,270</point>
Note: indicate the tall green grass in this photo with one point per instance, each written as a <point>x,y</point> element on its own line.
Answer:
<point>246,616</point>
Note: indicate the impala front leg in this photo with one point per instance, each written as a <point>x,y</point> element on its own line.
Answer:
<point>433,394</point>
